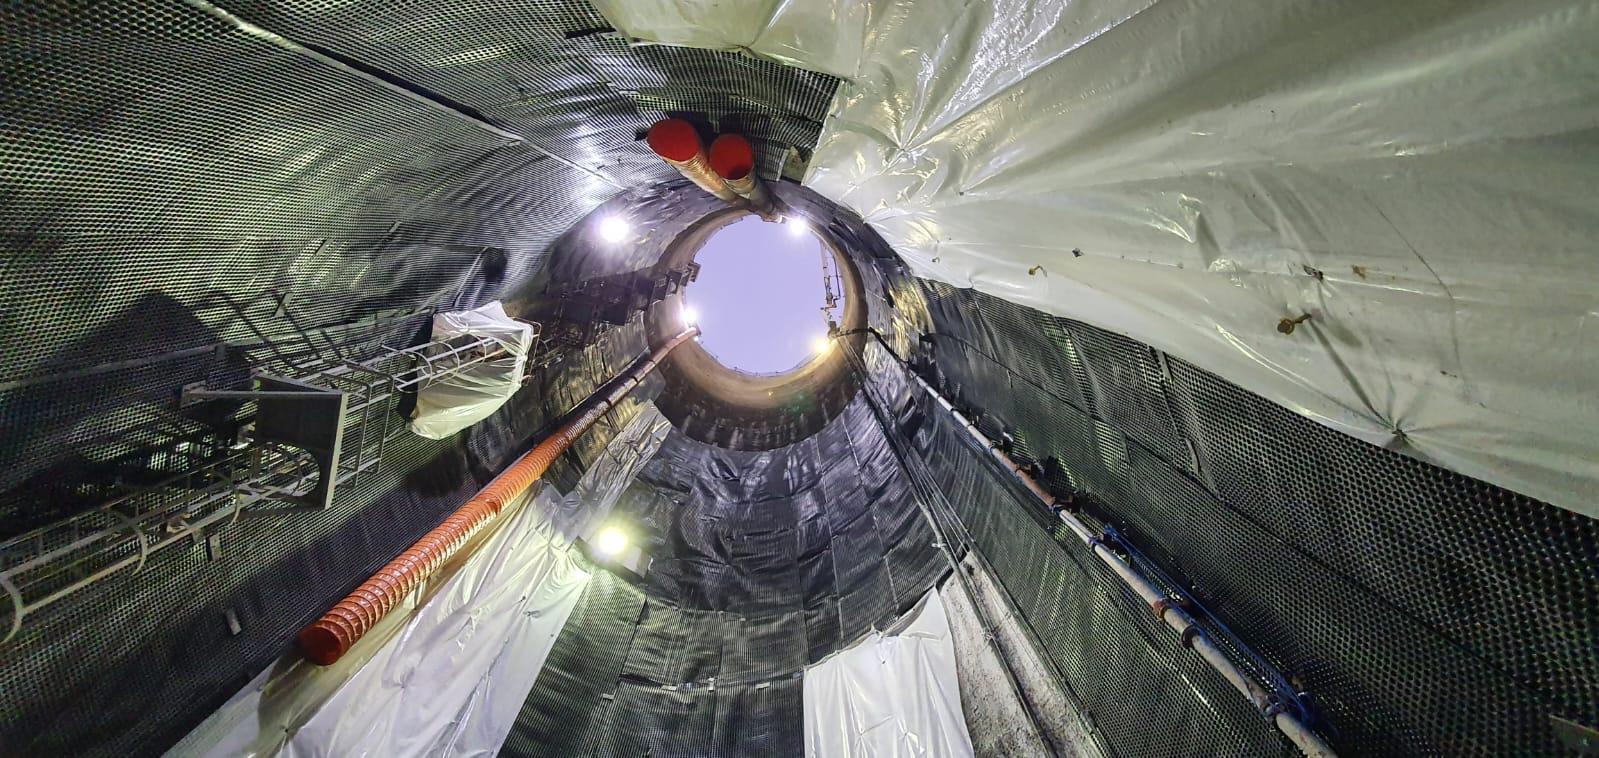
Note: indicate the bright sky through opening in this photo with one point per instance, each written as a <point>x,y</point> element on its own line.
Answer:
<point>759,296</point>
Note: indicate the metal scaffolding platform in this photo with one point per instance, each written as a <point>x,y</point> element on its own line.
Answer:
<point>319,410</point>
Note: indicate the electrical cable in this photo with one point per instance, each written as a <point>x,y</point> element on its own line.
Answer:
<point>1291,721</point>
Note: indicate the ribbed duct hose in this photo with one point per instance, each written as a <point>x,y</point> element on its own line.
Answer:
<point>678,143</point>
<point>330,637</point>
<point>733,159</point>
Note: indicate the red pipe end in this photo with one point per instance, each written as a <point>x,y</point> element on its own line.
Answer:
<point>674,139</point>
<point>732,156</point>
<point>321,645</point>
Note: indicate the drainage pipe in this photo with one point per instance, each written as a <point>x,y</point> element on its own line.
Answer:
<point>733,159</point>
<point>947,547</point>
<point>678,143</point>
<point>331,636</point>
<point>1167,609</point>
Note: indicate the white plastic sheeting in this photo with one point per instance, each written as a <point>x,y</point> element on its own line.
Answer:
<point>444,407</point>
<point>450,678</point>
<point>446,680</point>
<point>1419,176</point>
<point>890,696</point>
<point>581,512</point>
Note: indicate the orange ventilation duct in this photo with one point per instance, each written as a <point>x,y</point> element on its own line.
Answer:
<point>678,143</point>
<point>330,637</point>
<point>733,159</point>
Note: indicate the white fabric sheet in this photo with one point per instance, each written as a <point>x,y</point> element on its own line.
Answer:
<point>447,680</point>
<point>890,696</point>
<point>447,406</point>
<point>1168,169</point>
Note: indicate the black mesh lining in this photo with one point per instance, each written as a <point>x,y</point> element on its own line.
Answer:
<point>643,677</point>
<point>1113,653</point>
<point>530,68</point>
<point>1093,632</point>
<point>1423,611</point>
<point>129,665</point>
<point>158,158</point>
<point>566,711</point>
<point>764,563</point>
<point>161,158</point>
<point>757,533</point>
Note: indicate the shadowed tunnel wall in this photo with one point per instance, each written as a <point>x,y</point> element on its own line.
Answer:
<point>171,166</point>
<point>1422,611</point>
<point>167,161</point>
<point>764,563</point>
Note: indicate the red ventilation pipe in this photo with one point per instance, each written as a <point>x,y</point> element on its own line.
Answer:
<point>733,158</point>
<point>327,640</point>
<point>678,143</point>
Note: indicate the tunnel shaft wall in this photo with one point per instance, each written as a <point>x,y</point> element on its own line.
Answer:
<point>1420,610</point>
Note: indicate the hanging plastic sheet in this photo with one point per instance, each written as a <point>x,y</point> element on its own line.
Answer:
<point>445,680</point>
<point>821,36</point>
<point>447,406</point>
<point>450,678</point>
<point>581,511</point>
<point>1416,177</point>
<point>890,696</point>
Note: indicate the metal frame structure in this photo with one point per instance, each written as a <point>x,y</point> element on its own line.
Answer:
<point>331,636</point>
<point>257,472</point>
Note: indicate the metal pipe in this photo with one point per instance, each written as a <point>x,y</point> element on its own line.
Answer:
<point>678,143</point>
<point>331,636</point>
<point>947,547</point>
<point>1165,608</point>
<point>733,159</point>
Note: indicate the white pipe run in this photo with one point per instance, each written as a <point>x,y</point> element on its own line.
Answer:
<point>1164,608</point>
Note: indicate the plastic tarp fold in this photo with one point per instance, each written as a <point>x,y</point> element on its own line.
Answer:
<point>580,513</point>
<point>446,406</point>
<point>890,696</point>
<point>1416,176</point>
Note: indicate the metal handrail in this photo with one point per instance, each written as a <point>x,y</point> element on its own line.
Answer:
<point>46,564</point>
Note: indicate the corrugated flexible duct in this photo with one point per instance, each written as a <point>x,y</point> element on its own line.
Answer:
<point>330,637</point>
